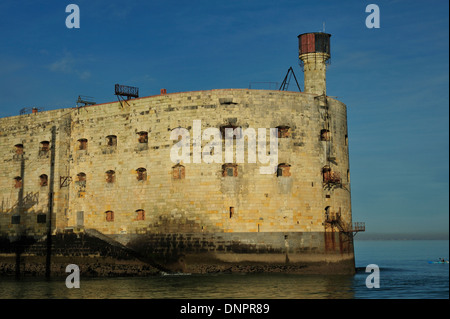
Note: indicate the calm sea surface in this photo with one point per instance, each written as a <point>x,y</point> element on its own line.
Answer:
<point>404,274</point>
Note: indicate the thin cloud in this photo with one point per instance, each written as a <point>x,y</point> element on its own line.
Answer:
<point>68,65</point>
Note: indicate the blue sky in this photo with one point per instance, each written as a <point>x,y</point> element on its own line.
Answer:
<point>394,79</point>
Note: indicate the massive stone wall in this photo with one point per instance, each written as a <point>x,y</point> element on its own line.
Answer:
<point>101,149</point>
<point>26,174</point>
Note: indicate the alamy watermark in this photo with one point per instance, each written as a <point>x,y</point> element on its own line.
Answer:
<point>373,280</point>
<point>373,19</point>
<point>212,151</point>
<point>73,280</point>
<point>73,19</point>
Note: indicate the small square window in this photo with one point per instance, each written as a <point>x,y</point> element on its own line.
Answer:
<point>15,219</point>
<point>41,218</point>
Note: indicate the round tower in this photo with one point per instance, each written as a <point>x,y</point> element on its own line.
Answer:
<point>314,55</point>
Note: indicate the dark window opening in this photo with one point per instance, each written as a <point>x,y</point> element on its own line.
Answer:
<point>45,146</point>
<point>327,213</point>
<point>229,170</point>
<point>140,214</point>
<point>110,176</point>
<point>143,137</point>
<point>43,180</point>
<point>18,149</point>
<point>41,218</point>
<point>231,211</point>
<point>82,144</point>
<point>109,216</point>
<point>330,177</point>
<point>111,141</point>
<point>141,174</point>
<point>81,177</point>
<point>325,135</point>
<point>15,219</point>
<point>178,172</point>
<point>283,170</point>
<point>17,182</point>
<point>284,131</point>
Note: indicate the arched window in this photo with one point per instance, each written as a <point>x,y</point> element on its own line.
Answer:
<point>43,180</point>
<point>140,214</point>
<point>110,176</point>
<point>81,177</point>
<point>18,149</point>
<point>327,213</point>
<point>82,144</point>
<point>44,148</point>
<point>109,216</point>
<point>178,172</point>
<point>141,174</point>
<point>17,182</point>
<point>283,169</point>
<point>229,170</point>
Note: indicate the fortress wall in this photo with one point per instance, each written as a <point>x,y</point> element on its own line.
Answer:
<point>201,201</point>
<point>31,198</point>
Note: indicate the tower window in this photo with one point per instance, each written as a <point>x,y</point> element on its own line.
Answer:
<point>229,170</point>
<point>43,180</point>
<point>178,172</point>
<point>82,144</point>
<point>109,216</point>
<point>141,174</point>
<point>110,176</point>
<point>140,214</point>
<point>325,135</point>
<point>283,170</point>
<point>231,211</point>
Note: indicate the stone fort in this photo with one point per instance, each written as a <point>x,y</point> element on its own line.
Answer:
<point>107,167</point>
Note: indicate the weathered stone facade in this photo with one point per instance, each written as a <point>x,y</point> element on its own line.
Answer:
<point>113,170</point>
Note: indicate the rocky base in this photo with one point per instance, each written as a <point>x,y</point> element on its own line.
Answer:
<point>34,266</point>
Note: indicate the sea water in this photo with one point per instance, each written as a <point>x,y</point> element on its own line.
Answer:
<point>404,273</point>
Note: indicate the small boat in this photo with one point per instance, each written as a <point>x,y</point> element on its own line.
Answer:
<point>438,262</point>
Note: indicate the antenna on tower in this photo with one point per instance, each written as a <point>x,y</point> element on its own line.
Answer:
<point>323,27</point>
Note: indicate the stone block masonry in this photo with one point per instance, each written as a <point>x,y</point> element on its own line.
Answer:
<point>113,172</point>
